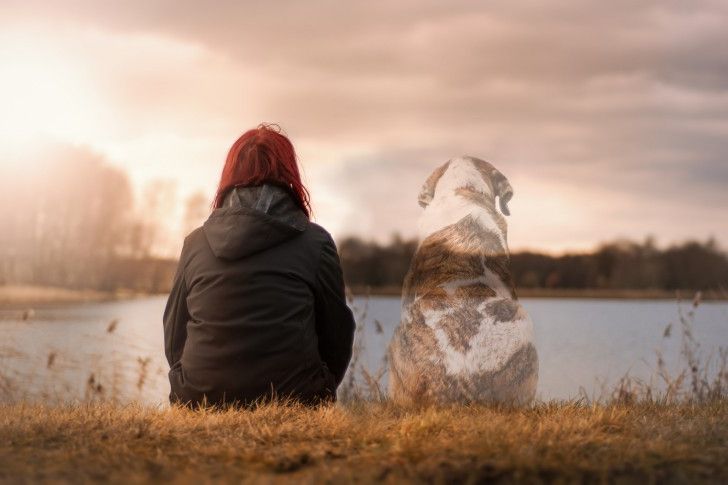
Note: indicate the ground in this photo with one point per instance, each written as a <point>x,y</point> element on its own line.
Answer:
<point>12,296</point>
<point>367,442</point>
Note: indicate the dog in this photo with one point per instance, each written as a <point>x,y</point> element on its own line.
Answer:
<point>463,335</point>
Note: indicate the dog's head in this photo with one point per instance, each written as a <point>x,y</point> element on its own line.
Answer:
<point>472,174</point>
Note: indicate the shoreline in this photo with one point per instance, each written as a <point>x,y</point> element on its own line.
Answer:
<point>594,293</point>
<point>24,295</point>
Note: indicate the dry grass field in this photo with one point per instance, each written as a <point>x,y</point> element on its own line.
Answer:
<point>366,442</point>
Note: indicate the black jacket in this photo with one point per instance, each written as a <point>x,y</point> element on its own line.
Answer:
<point>257,308</point>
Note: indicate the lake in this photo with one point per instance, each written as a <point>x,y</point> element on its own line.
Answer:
<point>114,349</point>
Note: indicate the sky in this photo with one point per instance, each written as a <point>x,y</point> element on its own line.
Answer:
<point>610,119</point>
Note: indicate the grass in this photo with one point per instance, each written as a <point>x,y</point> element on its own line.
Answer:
<point>367,442</point>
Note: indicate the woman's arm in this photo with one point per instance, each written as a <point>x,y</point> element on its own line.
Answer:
<point>176,317</point>
<point>334,320</point>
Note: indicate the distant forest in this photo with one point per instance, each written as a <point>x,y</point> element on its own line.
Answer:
<point>75,222</point>
<point>69,219</point>
<point>617,265</point>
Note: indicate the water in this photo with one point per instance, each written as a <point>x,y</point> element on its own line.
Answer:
<point>66,351</point>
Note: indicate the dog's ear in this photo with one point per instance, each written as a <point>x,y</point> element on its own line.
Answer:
<point>501,187</point>
<point>428,188</point>
<point>503,190</point>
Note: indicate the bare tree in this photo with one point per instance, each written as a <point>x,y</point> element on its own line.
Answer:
<point>197,208</point>
<point>66,215</point>
<point>152,233</point>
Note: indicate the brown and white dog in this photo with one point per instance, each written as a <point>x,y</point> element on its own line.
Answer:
<point>463,336</point>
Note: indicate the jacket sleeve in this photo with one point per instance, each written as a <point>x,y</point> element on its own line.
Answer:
<point>176,317</point>
<point>334,320</point>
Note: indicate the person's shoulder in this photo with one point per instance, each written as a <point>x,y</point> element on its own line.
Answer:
<point>319,234</point>
<point>194,236</point>
<point>193,240</point>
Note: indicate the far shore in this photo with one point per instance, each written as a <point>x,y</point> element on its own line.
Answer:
<point>27,295</point>
<point>593,293</point>
<point>15,295</point>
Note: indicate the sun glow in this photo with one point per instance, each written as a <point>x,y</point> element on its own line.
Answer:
<point>42,92</point>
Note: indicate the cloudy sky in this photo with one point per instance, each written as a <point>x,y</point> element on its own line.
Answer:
<point>609,118</point>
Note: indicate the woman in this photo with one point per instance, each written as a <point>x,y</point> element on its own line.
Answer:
<point>257,309</point>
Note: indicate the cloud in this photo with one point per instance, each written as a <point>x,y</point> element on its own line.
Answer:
<point>597,111</point>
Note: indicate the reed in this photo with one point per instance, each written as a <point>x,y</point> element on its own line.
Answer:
<point>698,377</point>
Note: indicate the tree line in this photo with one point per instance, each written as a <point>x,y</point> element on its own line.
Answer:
<point>68,218</point>
<point>622,264</point>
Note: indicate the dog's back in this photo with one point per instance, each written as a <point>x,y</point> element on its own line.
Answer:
<point>463,336</point>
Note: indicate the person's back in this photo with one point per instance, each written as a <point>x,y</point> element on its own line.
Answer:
<point>257,309</point>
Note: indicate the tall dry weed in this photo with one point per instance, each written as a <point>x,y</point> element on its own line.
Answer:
<point>362,383</point>
<point>699,378</point>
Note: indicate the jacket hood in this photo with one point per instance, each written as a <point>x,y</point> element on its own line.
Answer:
<point>252,219</point>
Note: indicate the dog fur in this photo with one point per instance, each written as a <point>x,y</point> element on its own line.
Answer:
<point>463,336</point>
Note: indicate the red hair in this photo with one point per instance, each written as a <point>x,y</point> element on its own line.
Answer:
<point>263,155</point>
